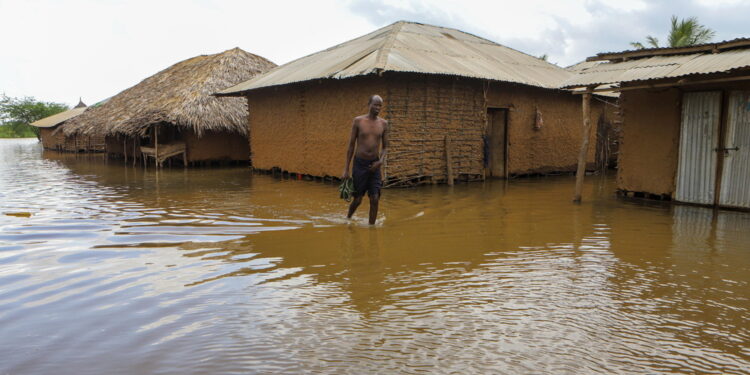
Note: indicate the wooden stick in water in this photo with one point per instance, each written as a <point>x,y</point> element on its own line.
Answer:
<point>584,147</point>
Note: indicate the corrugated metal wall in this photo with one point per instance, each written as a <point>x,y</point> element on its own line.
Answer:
<point>699,135</point>
<point>735,183</point>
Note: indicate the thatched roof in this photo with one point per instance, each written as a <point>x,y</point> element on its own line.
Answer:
<point>179,95</point>
<point>414,48</point>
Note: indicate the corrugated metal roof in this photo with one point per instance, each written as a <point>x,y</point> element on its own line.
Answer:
<point>659,67</point>
<point>418,48</point>
<point>583,65</point>
<point>662,51</point>
<point>56,119</point>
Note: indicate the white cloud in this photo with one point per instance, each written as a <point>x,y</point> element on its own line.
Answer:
<point>57,50</point>
<point>61,50</point>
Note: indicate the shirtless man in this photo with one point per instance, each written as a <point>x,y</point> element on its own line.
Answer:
<point>368,132</point>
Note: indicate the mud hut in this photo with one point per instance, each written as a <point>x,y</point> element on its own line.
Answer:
<point>449,95</point>
<point>54,139</point>
<point>172,115</point>
<point>686,120</point>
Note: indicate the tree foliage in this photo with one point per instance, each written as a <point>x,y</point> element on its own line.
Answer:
<point>683,33</point>
<point>17,113</point>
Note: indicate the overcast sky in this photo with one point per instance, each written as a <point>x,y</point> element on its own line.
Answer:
<point>58,50</point>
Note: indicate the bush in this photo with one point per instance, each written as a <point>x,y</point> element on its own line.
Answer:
<point>17,113</point>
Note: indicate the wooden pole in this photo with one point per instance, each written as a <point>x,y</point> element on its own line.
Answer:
<point>449,160</point>
<point>585,135</point>
<point>125,149</point>
<point>156,146</point>
<point>135,150</point>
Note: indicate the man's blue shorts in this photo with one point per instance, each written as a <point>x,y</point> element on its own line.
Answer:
<point>365,180</point>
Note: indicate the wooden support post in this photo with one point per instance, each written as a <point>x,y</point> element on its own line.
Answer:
<point>156,146</point>
<point>135,151</point>
<point>384,169</point>
<point>585,135</point>
<point>449,160</point>
<point>125,150</point>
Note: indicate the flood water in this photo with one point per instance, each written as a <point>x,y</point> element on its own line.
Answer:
<point>113,269</point>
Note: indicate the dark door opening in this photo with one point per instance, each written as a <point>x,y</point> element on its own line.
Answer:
<point>496,148</point>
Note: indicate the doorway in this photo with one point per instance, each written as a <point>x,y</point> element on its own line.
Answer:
<point>699,138</point>
<point>711,155</point>
<point>735,176</point>
<point>496,147</point>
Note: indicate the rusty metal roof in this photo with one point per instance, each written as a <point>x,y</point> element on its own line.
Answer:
<point>596,73</point>
<point>685,50</point>
<point>417,48</point>
<point>56,119</point>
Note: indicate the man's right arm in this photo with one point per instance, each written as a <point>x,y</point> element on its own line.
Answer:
<point>350,150</point>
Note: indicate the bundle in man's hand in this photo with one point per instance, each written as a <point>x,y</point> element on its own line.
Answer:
<point>346,189</point>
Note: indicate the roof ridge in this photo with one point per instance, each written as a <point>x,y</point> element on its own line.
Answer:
<point>385,49</point>
<point>479,40</point>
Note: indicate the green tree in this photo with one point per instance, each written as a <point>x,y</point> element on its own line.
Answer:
<point>17,113</point>
<point>683,33</point>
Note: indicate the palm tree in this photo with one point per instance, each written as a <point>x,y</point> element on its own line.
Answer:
<point>685,32</point>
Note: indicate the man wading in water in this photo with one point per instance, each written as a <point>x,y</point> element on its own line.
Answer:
<point>369,132</point>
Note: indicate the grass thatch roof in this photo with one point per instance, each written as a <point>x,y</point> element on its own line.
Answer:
<point>179,95</point>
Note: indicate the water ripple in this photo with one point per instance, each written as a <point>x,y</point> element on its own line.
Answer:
<point>108,269</point>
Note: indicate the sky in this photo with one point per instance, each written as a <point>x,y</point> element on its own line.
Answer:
<point>60,50</point>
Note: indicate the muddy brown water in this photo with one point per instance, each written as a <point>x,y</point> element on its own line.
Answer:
<point>112,269</point>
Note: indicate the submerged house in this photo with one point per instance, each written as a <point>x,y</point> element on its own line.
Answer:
<point>52,137</point>
<point>448,95</point>
<point>172,115</point>
<point>686,120</point>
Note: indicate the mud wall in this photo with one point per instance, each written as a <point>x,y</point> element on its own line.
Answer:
<point>553,147</point>
<point>115,145</point>
<point>422,111</point>
<point>216,146</point>
<point>210,146</point>
<point>84,143</point>
<point>304,128</point>
<point>52,141</point>
<point>650,140</point>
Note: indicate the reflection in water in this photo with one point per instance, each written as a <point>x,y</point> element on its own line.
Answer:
<point>106,268</point>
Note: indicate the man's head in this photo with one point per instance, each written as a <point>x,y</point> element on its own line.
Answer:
<point>376,104</point>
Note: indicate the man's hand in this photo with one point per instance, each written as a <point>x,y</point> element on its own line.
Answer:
<point>375,166</point>
<point>345,175</point>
